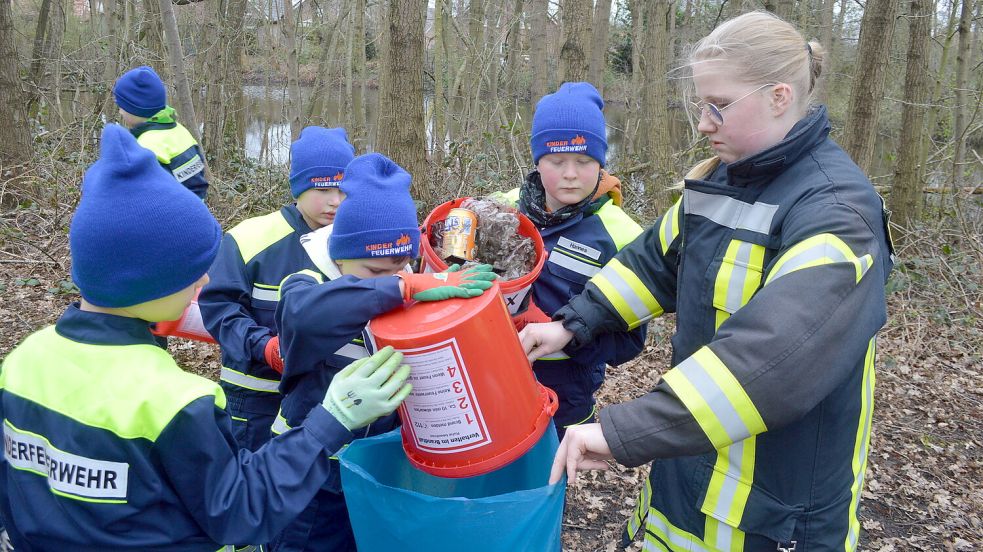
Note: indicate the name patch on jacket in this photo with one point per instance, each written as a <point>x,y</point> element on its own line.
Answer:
<point>66,472</point>
<point>194,166</point>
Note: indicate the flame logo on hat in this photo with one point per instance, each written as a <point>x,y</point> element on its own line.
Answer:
<point>403,240</point>
<point>578,140</point>
<point>337,177</point>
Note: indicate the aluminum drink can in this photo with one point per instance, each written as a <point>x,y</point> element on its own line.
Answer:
<point>459,233</point>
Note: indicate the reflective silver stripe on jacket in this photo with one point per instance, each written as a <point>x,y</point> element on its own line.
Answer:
<point>570,263</point>
<point>229,375</point>
<point>730,212</point>
<point>266,294</point>
<point>352,351</point>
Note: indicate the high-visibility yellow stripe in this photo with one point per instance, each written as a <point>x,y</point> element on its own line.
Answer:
<point>641,509</point>
<point>317,276</point>
<point>633,301</point>
<point>621,227</point>
<point>669,228</point>
<point>715,398</point>
<point>819,250</point>
<point>254,235</point>
<point>678,540</point>
<point>861,446</point>
<point>727,495</point>
<point>738,278</point>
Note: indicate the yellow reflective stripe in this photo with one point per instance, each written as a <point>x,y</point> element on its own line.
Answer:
<point>588,418</point>
<point>254,235</point>
<point>861,446</point>
<point>727,495</point>
<point>621,227</point>
<point>738,278</point>
<point>235,377</point>
<point>656,525</point>
<point>318,277</point>
<point>819,250</point>
<point>279,424</point>
<point>627,294</point>
<point>238,419</point>
<point>641,509</point>
<point>669,228</point>
<point>167,143</point>
<point>715,398</point>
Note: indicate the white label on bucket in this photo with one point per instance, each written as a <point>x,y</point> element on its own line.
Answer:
<point>442,411</point>
<point>514,300</point>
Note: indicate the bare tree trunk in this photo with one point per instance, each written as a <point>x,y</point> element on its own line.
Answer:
<point>214,116</point>
<point>316,106</point>
<point>540,78</point>
<point>358,123</point>
<point>288,26</point>
<point>638,140</point>
<point>935,98</point>
<point>964,56</point>
<point>876,32</point>
<point>439,80</point>
<point>576,40</point>
<point>401,131</point>
<point>782,8</point>
<point>15,134</point>
<point>37,53</point>
<point>659,22</point>
<point>151,31</point>
<point>513,47</point>
<point>176,56</point>
<point>599,44</point>
<point>907,186</point>
<point>826,30</point>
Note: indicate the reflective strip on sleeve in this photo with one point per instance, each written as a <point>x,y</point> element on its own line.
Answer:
<point>669,228</point>
<point>730,212</point>
<point>819,250</point>
<point>352,351</point>
<point>554,356</point>
<point>228,375</point>
<point>568,262</point>
<point>279,426</point>
<point>626,292</point>
<point>727,495</point>
<point>266,293</point>
<point>738,278</point>
<point>715,398</point>
<point>861,446</point>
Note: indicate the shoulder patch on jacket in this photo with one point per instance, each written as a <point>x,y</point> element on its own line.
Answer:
<point>254,235</point>
<point>622,228</point>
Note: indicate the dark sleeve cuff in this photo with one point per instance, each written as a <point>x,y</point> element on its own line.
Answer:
<point>327,429</point>
<point>573,322</point>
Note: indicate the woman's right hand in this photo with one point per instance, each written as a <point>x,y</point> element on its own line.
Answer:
<point>539,340</point>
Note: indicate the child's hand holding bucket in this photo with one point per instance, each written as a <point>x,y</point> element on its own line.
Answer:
<point>448,284</point>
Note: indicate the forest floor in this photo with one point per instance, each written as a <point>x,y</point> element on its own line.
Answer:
<point>924,485</point>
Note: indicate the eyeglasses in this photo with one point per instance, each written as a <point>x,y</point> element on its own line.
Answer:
<point>715,113</point>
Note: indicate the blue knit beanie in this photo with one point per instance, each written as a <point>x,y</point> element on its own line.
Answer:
<point>318,159</point>
<point>137,234</point>
<point>378,217</point>
<point>570,121</point>
<point>140,92</point>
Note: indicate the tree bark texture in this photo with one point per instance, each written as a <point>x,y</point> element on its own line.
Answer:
<point>906,189</point>
<point>288,26</point>
<point>876,33</point>
<point>599,44</point>
<point>577,25</point>
<point>15,135</point>
<point>539,83</point>
<point>659,22</point>
<point>401,131</point>
<point>513,49</point>
<point>964,56</point>
<point>176,55</point>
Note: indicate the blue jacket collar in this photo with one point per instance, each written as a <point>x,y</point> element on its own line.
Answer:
<point>96,328</point>
<point>293,216</point>
<point>809,132</point>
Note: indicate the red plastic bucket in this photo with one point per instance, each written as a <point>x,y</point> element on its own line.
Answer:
<point>189,326</point>
<point>513,291</point>
<point>475,405</point>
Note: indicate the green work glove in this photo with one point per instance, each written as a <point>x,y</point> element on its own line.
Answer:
<point>452,282</point>
<point>368,389</point>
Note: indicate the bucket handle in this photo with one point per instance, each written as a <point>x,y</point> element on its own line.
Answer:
<point>553,402</point>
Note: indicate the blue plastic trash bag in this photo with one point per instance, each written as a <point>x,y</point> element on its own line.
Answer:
<point>394,506</point>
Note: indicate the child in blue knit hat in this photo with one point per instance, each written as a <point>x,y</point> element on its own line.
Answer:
<point>577,207</point>
<point>109,445</point>
<point>322,317</point>
<point>237,305</point>
<point>142,101</point>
